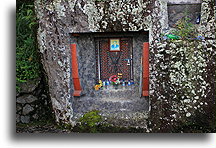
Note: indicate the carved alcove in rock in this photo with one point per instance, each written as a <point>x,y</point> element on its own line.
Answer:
<point>97,62</point>
<point>181,9</point>
<point>60,20</point>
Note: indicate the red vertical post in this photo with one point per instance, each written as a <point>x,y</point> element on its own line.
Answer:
<point>75,74</point>
<point>145,73</point>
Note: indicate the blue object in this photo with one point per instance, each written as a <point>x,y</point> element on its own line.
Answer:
<point>123,83</point>
<point>165,38</point>
<point>198,19</point>
<point>129,83</point>
<point>200,37</point>
<point>104,83</point>
<point>107,82</point>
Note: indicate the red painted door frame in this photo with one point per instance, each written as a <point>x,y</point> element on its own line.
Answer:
<point>75,73</point>
<point>145,72</point>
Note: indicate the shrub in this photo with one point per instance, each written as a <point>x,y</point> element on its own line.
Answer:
<point>27,58</point>
<point>185,29</point>
<point>90,121</point>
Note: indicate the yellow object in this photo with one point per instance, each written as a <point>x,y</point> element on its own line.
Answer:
<point>119,75</point>
<point>97,87</point>
<point>100,83</point>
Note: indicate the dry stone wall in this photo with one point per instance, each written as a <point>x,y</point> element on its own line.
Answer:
<point>32,103</point>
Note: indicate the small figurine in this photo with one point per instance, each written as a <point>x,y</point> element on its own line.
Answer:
<point>97,86</point>
<point>100,83</point>
<point>119,75</point>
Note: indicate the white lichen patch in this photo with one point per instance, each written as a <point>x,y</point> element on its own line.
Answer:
<point>188,114</point>
<point>42,39</point>
<point>186,68</point>
<point>72,4</point>
<point>93,14</point>
<point>59,8</point>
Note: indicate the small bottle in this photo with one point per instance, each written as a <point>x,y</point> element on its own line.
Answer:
<point>132,81</point>
<point>126,82</point>
<point>198,19</point>
<point>104,83</point>
<point>129,83</point>
<point>123,83</point>
<point>107,82</point>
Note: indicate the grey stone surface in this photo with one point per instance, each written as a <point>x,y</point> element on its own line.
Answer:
<point>123,119</point>
<point>26,99</point>
<point>18,107</point>
<point>25,119</point>
<point>183,1</point>
<point>27,109</point>
<point>17,118</point>
<point>110,105</point>
<point>29,86</point>
<point>35,116</point>
<point>117,111</point>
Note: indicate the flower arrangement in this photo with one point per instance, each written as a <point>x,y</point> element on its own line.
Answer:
<point>114,80</point>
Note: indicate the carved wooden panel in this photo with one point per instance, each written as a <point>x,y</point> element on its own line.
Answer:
<point>111,63</point>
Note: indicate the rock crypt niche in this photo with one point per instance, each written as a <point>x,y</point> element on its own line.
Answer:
<point>74,38</point>
<point>109,71</point>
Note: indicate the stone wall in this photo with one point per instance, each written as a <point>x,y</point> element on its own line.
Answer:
<point>32,102</point>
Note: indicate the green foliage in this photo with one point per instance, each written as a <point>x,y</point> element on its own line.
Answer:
<point>185,29</point>
<point>27,59</point>
<point>90,121</point>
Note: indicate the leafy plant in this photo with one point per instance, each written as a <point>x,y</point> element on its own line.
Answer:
<point>27,58</point>
<point>90,121</point>
<point>185,29</point>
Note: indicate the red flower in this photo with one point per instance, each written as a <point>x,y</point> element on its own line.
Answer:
<point>113,78</point>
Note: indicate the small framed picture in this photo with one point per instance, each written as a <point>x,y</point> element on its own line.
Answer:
<point>114,45</point>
